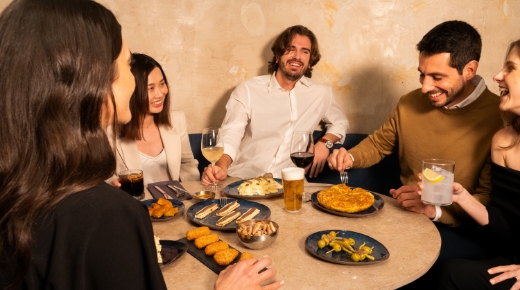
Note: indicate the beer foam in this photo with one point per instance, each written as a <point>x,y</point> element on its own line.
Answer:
<point>293,173</point>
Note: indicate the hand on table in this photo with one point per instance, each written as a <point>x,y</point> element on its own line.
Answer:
<point>508,272</point>
<point>212,174</point>
<point>340,160</point>
<point>408,197</point>
<point>116,183</point>
<point>320,157</point>
<point>244,275</point>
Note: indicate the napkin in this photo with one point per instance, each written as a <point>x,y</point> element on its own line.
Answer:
<point>164,186</point>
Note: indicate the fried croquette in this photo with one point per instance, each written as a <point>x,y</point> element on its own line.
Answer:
<point>225,257</point>
<point>246,256</point>
<point>203,241</point>
<point>198,232</point>
<point>210,250</point>
<point>171,212</point>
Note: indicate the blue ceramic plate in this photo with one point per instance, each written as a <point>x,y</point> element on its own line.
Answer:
<point>378,205</point>
<point>232,191</point>
<point>171,251</point>
<point>379,252</point>
<point>175,203</point>
<point>211,220</point>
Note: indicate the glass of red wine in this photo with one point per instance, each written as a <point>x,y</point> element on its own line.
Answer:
<point>302,148</point>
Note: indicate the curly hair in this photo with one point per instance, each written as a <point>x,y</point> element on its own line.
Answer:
<point>283,42</point>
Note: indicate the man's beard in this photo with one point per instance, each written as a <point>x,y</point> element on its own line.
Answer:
<point>288,74</point>
<point>455,93</point>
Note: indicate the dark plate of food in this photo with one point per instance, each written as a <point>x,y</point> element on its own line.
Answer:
<point>165,216</point>
<point>171,251</point>
<point>374,208</point>
<point>207,213</point>
<point>255,188</point>
<point>378,252</point>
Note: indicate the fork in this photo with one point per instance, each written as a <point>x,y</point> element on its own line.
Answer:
<point>223,201</point>
<point>178,191</point>
<point>343,176</point>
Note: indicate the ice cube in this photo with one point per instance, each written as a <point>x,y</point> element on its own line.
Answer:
<point>436,168</point>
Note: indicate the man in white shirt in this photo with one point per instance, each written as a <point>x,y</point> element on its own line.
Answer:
<point>264,111</point>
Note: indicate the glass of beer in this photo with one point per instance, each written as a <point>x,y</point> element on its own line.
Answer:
<point>292,180</point>
<point>437,181</point>
<point>132,182</point>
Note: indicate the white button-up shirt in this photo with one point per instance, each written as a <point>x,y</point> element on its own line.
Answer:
<point>261,117</point>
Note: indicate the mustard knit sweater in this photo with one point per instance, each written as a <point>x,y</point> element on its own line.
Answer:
<point>421,131</point>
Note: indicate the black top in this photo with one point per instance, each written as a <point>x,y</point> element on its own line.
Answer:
<point>100,238</point>
<point>504,210</point>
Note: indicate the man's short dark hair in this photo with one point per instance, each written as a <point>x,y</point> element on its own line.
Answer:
<point>283,43</point>
<point>458,38</point>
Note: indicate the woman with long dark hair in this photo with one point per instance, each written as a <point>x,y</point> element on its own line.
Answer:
<point>65,78</point>
<point>156,139</point>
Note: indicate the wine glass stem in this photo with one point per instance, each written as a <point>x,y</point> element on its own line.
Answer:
<point>214,185</point>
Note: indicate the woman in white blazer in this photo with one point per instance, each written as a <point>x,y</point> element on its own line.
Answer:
<point>156,139</point>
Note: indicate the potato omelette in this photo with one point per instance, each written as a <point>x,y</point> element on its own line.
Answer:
<point>345,199</point>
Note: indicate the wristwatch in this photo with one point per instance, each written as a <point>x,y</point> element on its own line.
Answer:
<point>328,143</point>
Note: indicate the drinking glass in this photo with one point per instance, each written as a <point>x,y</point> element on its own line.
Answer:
<point>212,148</point>
<point>437,181</point>
<point>302,148</point>
<point>293,182</point>
<point>132,182</point>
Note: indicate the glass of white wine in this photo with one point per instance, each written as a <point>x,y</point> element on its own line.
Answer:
<point>212,148</point>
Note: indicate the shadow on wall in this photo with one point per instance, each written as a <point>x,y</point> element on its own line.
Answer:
<point>267,56</point>
<point>369,104</point>
<point>215,120</point>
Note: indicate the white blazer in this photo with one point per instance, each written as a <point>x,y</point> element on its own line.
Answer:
<point>182,165</point>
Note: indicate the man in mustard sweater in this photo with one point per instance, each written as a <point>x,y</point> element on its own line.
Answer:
<point>453,116</point>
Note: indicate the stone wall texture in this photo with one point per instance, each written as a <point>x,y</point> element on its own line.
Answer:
<point>207,47</point>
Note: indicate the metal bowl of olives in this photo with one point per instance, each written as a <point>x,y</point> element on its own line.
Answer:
<point>257,234</point>
<point>203,195</point>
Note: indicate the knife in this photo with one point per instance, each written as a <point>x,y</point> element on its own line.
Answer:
<point>163,193</point>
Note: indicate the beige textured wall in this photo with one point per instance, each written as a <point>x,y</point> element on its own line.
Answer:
<point>207,47</point>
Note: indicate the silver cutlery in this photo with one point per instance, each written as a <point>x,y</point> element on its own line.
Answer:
<point>177,193</point>
<point>163,193</point>
<point>177,189</point>
<point>223,201</point>
<point>343,176</point>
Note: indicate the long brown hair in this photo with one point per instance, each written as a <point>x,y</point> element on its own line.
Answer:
<point>58,65</point>
<point>142,66</point>
<point>283,42</point>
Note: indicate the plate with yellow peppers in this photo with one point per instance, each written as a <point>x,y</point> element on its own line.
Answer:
<point>346,247</point>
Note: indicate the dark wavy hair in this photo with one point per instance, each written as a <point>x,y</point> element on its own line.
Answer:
<point>283,43</point>
<point>142,66</point>
<point>58,65</point>
<point>457,38</point>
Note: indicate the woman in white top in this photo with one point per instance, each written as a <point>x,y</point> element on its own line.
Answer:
<point>156,139</point>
